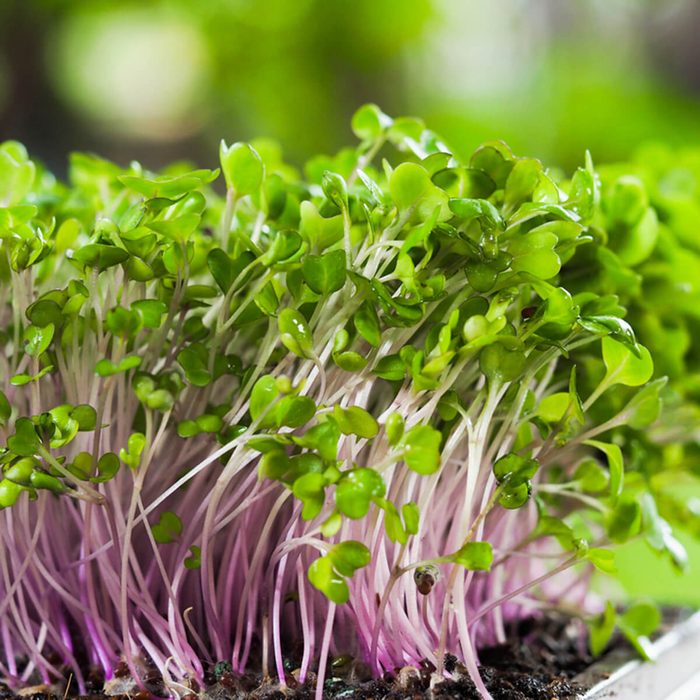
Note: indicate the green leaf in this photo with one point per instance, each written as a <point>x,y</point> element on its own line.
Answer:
<point>531,210</point>
<point>100,256</point>
<point>294,411</point>
<point>22,379</point>
<point>179,229</point>
<point>21,471</point>
<point>516,495</point>
<point>356,490</point>
<point>131,456</point>
<point>583,193</point>
<point>366,322</point>
<point>602,559</point>
<point>81,466</point>
<point>624,520</point>
<point>169,186</point>
<point>221,268</point>
<point>160,400</point>
<point>194,560</point>
<point>106,368</point>
<point>151,311</point>
<point>411,517</point>
<point>406,128</point>
<point>187,428</point>
<point>637,623</point>
<point>557,315</point>
<point>623,367</point>
<point>17,172</point>
<point>500,363</point>
<point>275,463</point>
<point>409,183</point>
<point>37,339</point>
<point>335,188</point>
<point>286,248</point>
<point>549,526</point>
<point>332,525</point>
<point>295,333</point>
<point>42,481</point>
<point>514,469</point>
<point>242,167</point>
<point>350,361</point>
<point>369,122</point>
<point>356,421</point>
<point>534,253</point>
<point>394,427</point>
<point>422,449</point>
<point>481,275</point>
<point>194,360</point>
<point>644,407</point>
<point>643,618</point>
<point>495,159</point>
<point>209,423</point>
<point>5,409</point>
<point>601,629</point>
<point>393,526</point>
<point>168,528</point>
<point>323,438</point>
<point>325,273</point>
<point>627,200</point>
<point>326,579</point>
<point>107,468</point>
<point>553,407</point>
<point>85,415</point>
<point>591,476</point>
<point>25,441</point>
<point>139,241</point>
<point>318,231</point>
<point>349,556</point>
<point>615,464</point>
<point>43,312</point>
<point>659,534</point>
<point>639,242</point>
<point>475,556</point>
<point>391,368</point>
<point>310,490</point>
<point>267,300</point>
<point>482,209</point>
<point>9,493</point>
<point>521,182</point>
<point>616,327</point>
<point>263,394</point>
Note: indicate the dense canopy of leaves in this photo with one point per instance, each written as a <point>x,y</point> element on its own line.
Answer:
<point>308,387</point>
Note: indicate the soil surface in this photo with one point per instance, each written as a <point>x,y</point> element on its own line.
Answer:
<point>538,663</point>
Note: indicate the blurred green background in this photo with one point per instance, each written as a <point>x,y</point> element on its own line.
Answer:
<point>156,80</point>
<point>162,80</point>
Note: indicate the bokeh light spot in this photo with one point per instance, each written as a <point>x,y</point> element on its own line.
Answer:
<point>137,72</point>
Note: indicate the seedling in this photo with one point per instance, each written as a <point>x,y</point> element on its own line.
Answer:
<point>381,410</point>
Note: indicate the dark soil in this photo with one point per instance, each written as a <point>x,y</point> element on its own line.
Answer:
<point>538,663</point>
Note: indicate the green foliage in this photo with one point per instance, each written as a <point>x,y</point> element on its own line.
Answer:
<point>356,421</point>
<point>242,167</point>
<point>475,556</point>
<point>328,572</point>
<point>421,449</point>
<point>295,333</point>
<point>636,624</point>
<point>168,528</point>
<point>425,332</point>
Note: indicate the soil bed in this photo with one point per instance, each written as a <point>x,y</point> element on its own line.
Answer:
<point>539,663</point>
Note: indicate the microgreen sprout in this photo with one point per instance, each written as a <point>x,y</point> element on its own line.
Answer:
<point>379,411</point>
